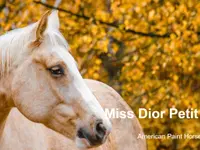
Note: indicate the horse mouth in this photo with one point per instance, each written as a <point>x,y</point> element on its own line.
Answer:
<point>83,142</point>
<point>81,135</point>
<point>90,140</point>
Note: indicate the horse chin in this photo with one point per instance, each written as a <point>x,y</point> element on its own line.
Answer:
<point>82,144</point>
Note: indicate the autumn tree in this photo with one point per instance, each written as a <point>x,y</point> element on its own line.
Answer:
<point>148,50</point>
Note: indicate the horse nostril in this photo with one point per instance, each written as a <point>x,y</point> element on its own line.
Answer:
<point>100,131</point>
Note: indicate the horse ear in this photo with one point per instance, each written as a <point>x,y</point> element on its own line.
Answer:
<point>53,20</point>
<point>42,25</point>
<point>48,21</point>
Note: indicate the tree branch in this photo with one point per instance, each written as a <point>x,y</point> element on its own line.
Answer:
<point>151,34</point>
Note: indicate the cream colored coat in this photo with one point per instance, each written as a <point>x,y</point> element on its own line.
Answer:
<point>21,134</point>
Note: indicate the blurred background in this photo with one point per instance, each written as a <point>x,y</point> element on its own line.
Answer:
<point>148,50</point>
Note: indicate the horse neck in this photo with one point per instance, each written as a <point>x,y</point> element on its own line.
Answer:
<point>11,45</point>
<point>6,102</point>
<point>5,107</point>
<point>3,116</point>
<point>4,112</point>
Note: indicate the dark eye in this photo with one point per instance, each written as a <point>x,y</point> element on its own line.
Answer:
<point>56,71</point>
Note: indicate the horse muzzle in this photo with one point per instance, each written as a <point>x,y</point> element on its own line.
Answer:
<point>95,138</point>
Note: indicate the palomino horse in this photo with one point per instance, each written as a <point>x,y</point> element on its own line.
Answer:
<point>22,134</point>
<point>40,78</point>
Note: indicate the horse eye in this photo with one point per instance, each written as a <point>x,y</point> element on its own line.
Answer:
<point>56,71</point>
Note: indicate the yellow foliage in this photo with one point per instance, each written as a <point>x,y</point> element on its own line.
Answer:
<point>148,50</point>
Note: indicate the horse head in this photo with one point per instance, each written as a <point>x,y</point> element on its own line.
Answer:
<point>47,87</point>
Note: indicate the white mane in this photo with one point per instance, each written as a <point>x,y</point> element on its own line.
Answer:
<point>13,45</point>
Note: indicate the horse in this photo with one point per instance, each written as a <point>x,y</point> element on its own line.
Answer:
<point>40,77</point>
<point>45,104</point>
<point>23,134</point>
